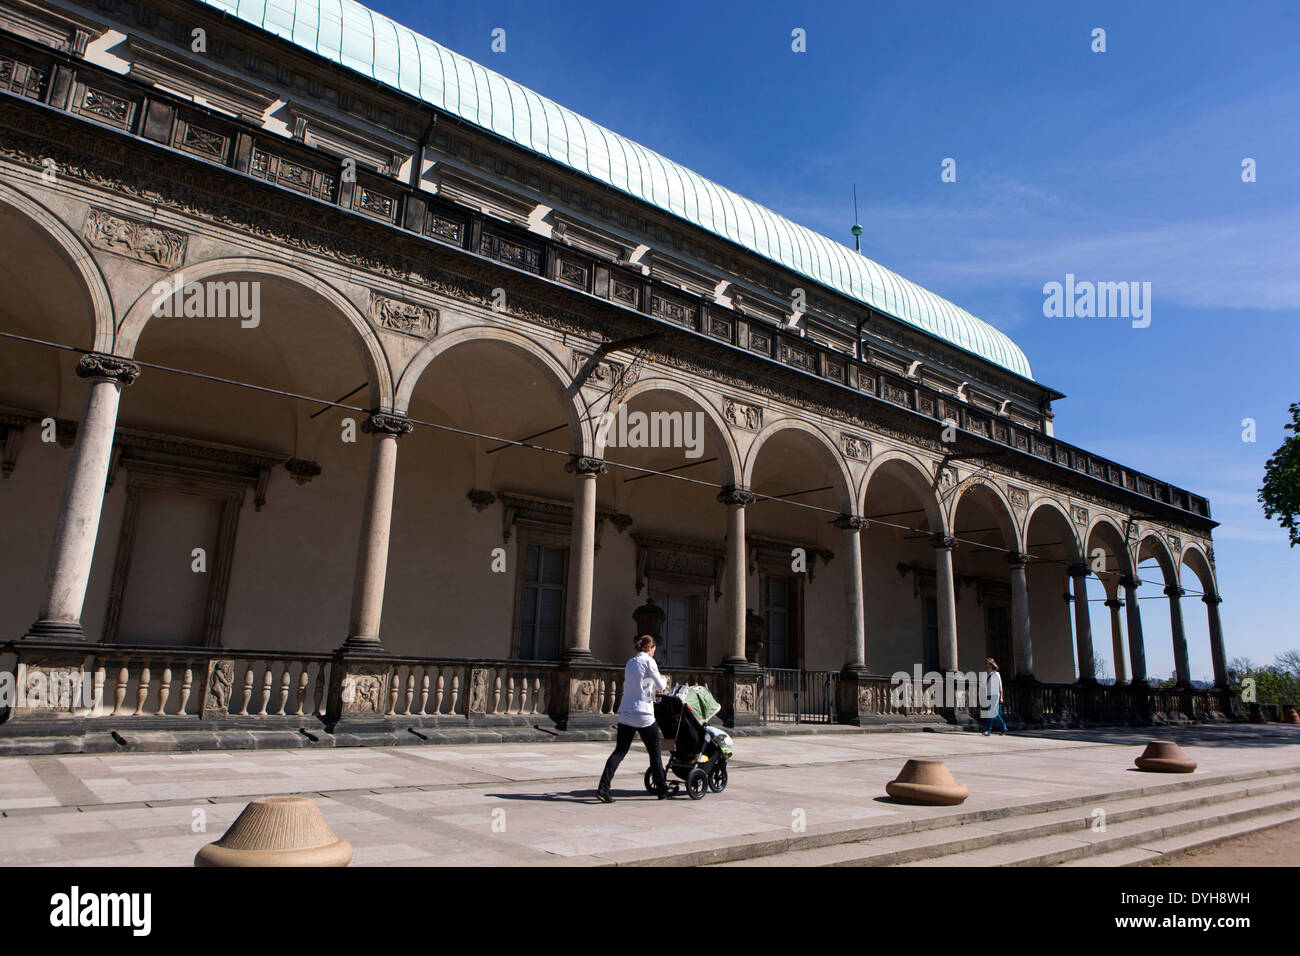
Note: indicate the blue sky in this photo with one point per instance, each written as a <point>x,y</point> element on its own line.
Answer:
<point>1115,166</point>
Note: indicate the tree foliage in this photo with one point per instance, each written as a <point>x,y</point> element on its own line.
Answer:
<point>1276,683</point>
<point>1280,495</point>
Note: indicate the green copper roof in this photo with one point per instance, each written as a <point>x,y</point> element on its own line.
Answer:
<point>356,37</point>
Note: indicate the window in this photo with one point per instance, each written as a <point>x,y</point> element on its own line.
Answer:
<point>541,611</point>
<point>173,558</point>
<point>997,634</point>
<point>780,630</point>
<point>930,634</point>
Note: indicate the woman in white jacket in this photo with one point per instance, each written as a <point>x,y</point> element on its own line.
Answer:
<point>636,715</point>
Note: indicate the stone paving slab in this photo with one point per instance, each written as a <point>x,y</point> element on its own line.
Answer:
<point>531,804</point>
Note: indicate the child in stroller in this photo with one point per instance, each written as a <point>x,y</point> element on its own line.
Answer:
<point>700,752</point>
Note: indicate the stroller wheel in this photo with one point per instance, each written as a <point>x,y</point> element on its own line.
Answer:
<point>650,781</point>
<point>697,782</point>
<point>718,777</point>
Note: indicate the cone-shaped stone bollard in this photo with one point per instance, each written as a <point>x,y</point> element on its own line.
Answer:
<point>278,831</point>
<point>1290,716</point>
<point>926,782</point>
<point>1165,756</point>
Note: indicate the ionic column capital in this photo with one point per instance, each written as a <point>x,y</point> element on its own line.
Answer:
<point>1017,559</point>
<point>1077,570</point>
<point>1174,591</point>
<point>582,465</point>
<point>736,495</point>
<point>943,542</point>
<point>851,523</point>
<point>381,423</point>
<point>1129,581</point>
<point>1114,603</point>
<point>1211,599</point>
<point>111,367</point>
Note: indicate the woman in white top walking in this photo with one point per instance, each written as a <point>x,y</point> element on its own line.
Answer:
<point>636,715</point>
<point>993,685</point>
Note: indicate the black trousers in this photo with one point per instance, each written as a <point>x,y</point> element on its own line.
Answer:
<point>649,737</point>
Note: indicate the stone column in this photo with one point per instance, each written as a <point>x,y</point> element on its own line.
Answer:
<point>736,498</point>
<point>946,595</point>
<point>1136,651</point>
<point>376,523</point>
<point>855,651</point>
<point>1217,652</point>
<point>1182,668</point>
<point>582,557</point>
<point>1020,633</point>
<point>1082,623</point>
<point>68,572</point>
<point>1117,641</point>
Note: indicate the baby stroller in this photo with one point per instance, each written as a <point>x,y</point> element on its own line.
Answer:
<point>700,752</point>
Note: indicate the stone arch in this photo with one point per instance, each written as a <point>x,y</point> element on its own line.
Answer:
<point>915,474</point>
<point>1113,539</point>
<point>1012,533</point>
<point>731,466</point>
<point>1194,559</point>
<point>1073,547</point>
<point>1160,551</point>
<point>78,257</point>
<point>581,429</point>
<point>841,479</point>
<point>378,374</point>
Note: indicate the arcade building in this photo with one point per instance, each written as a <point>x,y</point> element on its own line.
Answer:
<point>307,328</point>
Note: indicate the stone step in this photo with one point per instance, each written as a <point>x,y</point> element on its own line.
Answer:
<point>897,849</point>
<point>1132,855</point>
<point>1063,848</point>
<point>927,819</point>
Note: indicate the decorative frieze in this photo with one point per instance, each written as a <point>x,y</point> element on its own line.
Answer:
<point>444,228</point>
<point>670,310</point>
<point>136,240</point>
<point>408,318</point>
<point>624,292</point>
<point>1019,497</point>
<point>511,252</point>
<point>855,447</point>
<point>602,373</point>
<point>104,106</point>
<point>206,143</point>
<point>799,358</point>
<point>294,175</point>
<point>573,272</point>
<point>22,78</point>
<point>742,415</point>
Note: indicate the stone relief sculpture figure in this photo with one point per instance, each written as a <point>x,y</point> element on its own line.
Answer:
<point>223,677</point>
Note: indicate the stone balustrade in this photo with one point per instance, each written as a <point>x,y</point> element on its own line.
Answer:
<point>54,684</point>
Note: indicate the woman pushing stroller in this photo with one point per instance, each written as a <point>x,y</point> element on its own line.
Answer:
<point>636,715</point>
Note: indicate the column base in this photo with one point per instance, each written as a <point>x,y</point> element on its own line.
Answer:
<point>56,631</point>
<point>739,665</point>
<point>578,656</point>
<point>357,646</point>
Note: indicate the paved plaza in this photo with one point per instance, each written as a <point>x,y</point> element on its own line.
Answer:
<point>534,804</point>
